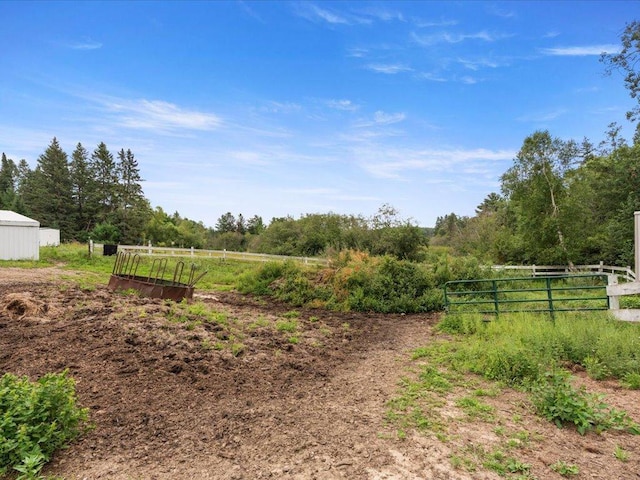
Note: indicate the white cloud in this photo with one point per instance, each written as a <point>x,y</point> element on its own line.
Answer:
<point>581,51</point>
<point>346,105</point>
<point>542,116</point>
<point>446,37</point>
<point>389,69</point>
<point>479,63</point>
<point>314,13</point>
<point>159,115</point>
<point>85,45</point>
<point>430,23</point>
<point>380,118</point>
<point>390,163</point>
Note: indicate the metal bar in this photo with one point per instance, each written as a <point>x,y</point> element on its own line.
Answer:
<point>179,266</point>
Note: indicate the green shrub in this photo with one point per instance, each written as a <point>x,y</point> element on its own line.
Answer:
<point>558,401</point>
<point>36,419</point>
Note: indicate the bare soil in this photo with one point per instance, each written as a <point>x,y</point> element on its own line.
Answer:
<point>189,400</point>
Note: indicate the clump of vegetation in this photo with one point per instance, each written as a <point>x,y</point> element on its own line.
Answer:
<point>36,419</point>
<point>558,401</point>
<point>355,281</point>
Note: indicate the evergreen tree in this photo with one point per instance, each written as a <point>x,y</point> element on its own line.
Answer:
<point>8,172</point>
<point>48,191</point>
<point>106,174</point>
<point>83,191</point>
<point>133,210</point>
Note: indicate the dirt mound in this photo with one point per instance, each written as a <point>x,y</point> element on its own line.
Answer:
<point>22,304</point>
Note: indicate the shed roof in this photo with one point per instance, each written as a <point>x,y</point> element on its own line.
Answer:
<point>9,218</point>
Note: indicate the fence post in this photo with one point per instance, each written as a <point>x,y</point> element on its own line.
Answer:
<point>550,297</point>
<point>495,295</point>
<point>192,250</point>
<point>614,301</point>
<point>150,250</point>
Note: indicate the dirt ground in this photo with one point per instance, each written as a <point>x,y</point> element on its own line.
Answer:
<point>191,400</point>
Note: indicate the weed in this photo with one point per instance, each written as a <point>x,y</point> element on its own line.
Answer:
<point>596,369</point>
<point>621,454</point>
<point>565,469</point>
<point>474,409</point>
<point>38,418</point>
<point>291,314</point>
<point>289,326</point>
<point>313,319</point>
<point>631,380</point>
<point>557,400</point>
<point>237,349</point>
<point>294,340</point>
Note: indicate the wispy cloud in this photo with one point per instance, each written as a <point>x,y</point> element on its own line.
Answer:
<point>281,107</point>
<point>542,116</point>
<point>477,64</point>
<point>346,105</point>
<point>383,14</point>
<point>381,118</point>
<point>84,45</point>
<point>501,12</point>
<point>159,115</point>
<point>434,23</point>
<point>394,162</point>
<point>314,13</point>
<point>468,80</point>
<point>581,51</point>
<point>432,77</point>
<point>446,37</point>
<point>388,68</point>
<point>357,52</point>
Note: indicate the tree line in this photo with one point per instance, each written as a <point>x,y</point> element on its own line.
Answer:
<point>98,195</point>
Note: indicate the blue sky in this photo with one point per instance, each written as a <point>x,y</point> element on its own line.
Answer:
<point>291,108</point>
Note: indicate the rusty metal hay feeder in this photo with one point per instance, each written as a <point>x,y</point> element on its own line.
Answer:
<point>125,277</point>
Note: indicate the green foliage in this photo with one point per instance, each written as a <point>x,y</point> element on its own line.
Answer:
<point>565,469</point>
<point>36,419</point>
<point>558,401</point>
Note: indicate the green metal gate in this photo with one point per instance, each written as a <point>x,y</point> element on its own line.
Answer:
<point>557,293</point>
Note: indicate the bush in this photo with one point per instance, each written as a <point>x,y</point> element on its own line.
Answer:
<point>36,419</point>
<point>558,401</point>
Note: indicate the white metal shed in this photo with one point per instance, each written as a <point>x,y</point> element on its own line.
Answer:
<point>19,237</point>
<point>49,237</point>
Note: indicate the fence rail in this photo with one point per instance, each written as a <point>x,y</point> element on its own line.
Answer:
<point>624,273</point>
<point>222,254</point>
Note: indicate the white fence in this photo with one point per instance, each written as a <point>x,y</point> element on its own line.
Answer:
<point>222,254</point>
<point>624,273</point>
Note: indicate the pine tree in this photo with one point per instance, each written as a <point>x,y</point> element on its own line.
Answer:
<point>48,191</point>
<point>8,171</point>
<point>133,210</point>
<point>83,191</point>
<point>106,174</point>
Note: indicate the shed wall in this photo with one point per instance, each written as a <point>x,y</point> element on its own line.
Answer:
<point>19,242</point>
<point>49,237</point>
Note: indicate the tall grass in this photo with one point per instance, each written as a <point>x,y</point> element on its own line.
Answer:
<point>518,348</point>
